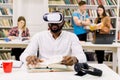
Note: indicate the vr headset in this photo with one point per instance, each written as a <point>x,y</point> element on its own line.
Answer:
<point>84,68</point>
<point>54,17</point>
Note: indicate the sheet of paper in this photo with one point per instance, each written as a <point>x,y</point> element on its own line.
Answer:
<point>52,60</point>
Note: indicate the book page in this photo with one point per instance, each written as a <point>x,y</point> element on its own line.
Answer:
<point>50,65</point>
<point>55,67</point>
<point>52,60</point>
<point>47,62</point>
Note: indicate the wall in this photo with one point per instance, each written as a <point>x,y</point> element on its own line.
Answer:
<point>33,11</point>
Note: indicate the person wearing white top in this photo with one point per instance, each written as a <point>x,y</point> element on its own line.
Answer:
<point>52,44</point>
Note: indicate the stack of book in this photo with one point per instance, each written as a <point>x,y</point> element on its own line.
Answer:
<point>5,55</point>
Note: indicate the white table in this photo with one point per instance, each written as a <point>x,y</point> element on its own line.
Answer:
<point>12,44</point>
<point>115,47</point>
<point>22,74</point>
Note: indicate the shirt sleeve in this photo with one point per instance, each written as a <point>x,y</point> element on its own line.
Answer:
<point>11,31</point>
<point>31,49</point>
<point>74,14</point>
<point>77,49</point>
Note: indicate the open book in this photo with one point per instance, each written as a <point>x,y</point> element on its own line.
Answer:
<point>49,66</point>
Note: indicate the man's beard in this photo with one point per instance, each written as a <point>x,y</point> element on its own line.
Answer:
<point>58,28</point>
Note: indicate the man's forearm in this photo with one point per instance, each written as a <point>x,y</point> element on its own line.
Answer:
<point>85,23</point>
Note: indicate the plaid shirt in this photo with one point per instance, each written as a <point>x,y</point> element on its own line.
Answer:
<point>15,32</point>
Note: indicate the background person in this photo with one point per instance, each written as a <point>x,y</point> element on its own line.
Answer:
<point>80,21</point>
<point>103,27</point>
<point>19,32</point>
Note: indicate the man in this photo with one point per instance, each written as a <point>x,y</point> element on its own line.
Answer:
<point>54,43</point>
<point>80,21</point>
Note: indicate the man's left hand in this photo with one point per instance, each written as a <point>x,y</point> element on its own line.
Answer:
<point>69,60</point>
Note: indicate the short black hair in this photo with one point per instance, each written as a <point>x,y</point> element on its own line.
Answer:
<point>81,3</point>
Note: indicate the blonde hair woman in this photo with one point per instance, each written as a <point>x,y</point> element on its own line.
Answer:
<point>19,31</point>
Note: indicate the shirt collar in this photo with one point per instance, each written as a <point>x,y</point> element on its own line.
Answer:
<point>83,14</point>
<point>52,35</point>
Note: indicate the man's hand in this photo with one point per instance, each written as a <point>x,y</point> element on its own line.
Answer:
<point>69,60</point>
<point>33,60</point>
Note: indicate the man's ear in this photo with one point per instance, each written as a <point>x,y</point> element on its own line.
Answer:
<point>63,22</point>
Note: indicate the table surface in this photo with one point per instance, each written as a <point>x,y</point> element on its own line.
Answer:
<point>115,47</point>
<point>91,44</point>
<point>25,43</point>
<point>82,43</point>
<point>22,74</point>
<point>14,44</point>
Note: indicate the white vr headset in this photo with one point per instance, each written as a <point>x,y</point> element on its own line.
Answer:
<point>54,17</point>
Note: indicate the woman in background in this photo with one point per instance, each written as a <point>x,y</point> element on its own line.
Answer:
<point>103,27</point>
<point>19,32</point>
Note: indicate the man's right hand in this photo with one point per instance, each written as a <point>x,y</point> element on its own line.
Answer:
<point>33,60</point>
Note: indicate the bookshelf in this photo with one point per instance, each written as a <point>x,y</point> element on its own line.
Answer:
<point>33,12</point>
<point>5,54</point>
<point>69,6</point>
<point>6,22</point>
<point>118,21</point>
<point>6,17</point>
<point>67,10</point>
